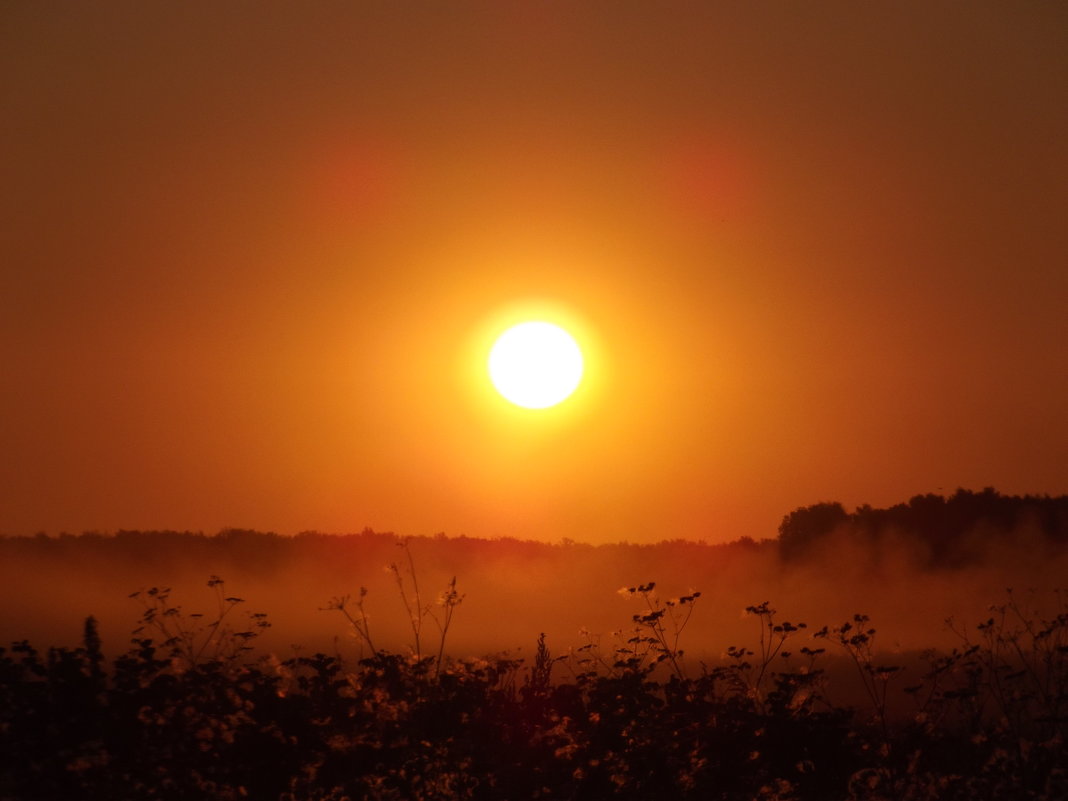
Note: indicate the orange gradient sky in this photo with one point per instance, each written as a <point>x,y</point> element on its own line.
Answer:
<point>252,257</point>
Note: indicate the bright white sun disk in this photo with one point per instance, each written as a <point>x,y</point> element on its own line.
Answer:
<point>535,364</point>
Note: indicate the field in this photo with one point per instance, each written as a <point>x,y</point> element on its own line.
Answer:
<point>436,687</point>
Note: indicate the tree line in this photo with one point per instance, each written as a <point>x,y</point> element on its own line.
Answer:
<point>950,532</point>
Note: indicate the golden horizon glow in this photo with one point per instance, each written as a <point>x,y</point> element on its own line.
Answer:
<point>535,364</point>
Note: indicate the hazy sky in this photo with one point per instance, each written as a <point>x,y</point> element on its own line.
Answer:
<point>252,255</point>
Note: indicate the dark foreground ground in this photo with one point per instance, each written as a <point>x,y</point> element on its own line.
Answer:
<point>191,712</point>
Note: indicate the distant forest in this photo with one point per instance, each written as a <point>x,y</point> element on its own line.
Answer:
<point>940,532</point>
<point>909,566</point>
<point>952,532</point>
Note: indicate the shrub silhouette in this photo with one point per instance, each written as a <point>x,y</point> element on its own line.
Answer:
<point>190,710</point>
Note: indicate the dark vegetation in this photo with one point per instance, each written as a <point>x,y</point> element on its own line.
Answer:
<point>946,533</point>
<point>192,708</point>
<point>190,712</point>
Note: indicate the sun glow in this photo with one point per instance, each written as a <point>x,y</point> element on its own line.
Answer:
<point>535,364</point>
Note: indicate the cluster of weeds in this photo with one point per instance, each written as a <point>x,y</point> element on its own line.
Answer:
<point>748,673</point>
<point>857,639</point>
<point>658,629</point>
<point>441,611</point>
<point>190,710</point>
<point>195,637</point>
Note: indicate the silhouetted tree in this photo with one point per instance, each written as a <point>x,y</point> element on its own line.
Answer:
<point>954,531</point>
<point>803,527</point>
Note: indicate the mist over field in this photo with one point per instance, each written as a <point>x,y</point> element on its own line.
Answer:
<point>663,671</point>
<point>909,568</point>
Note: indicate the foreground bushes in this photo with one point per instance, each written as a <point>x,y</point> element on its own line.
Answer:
<point>192,713</point>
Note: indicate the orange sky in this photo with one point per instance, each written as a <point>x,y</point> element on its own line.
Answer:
<point>250,255</point>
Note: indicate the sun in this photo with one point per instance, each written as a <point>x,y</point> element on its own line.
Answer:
<point>535,364</point>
